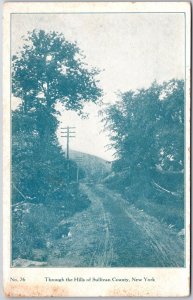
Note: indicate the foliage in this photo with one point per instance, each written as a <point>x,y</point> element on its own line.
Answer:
<point>147,132</point>
<point>50,69</point>
<point>46,71</point>
<point>39,230</point>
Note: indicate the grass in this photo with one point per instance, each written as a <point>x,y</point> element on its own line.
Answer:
<point>170,212</point>
<point>36,227</point>
<point>165,207</point>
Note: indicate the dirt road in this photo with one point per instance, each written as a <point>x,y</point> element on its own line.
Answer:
<point>113,233</point>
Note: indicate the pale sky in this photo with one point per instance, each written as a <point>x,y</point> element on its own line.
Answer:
<point>133,50</point>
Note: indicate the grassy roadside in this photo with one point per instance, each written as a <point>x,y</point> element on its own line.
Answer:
<point>167,208</point>
<point>37,227</point>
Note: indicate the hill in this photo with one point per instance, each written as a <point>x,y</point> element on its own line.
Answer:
<point>95,168</point>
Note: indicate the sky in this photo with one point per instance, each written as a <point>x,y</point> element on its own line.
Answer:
<point>131,50</point>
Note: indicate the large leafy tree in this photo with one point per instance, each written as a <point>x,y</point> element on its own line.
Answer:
<point>47,71</point>
<point>147,132</point>
<point>49,68</point>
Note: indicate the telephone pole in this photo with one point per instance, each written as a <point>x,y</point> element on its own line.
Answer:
<point>78,160</point>
<point>69,132</point>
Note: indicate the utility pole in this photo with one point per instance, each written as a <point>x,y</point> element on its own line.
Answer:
<point>78,161</point>
<point>69,132</point>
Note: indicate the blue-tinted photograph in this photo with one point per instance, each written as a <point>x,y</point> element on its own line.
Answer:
<point>97,127</point>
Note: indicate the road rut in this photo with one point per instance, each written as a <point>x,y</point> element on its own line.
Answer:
<point>113,233</point>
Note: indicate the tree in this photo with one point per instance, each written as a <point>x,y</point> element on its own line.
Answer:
<point>147,132</point>
<point>50,70</point>
<point>47,71</point>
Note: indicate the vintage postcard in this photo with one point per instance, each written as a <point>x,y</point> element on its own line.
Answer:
<point>96,144</point>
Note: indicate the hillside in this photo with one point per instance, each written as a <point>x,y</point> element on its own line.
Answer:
<point>94,167</point>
